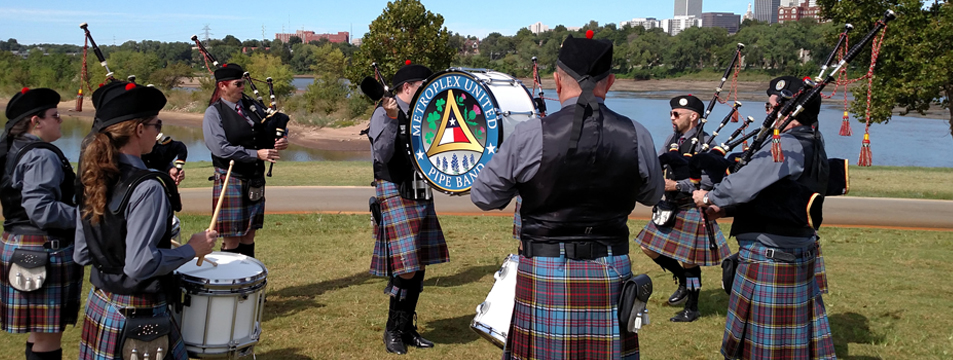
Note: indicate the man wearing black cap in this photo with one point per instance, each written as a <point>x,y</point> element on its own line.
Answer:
<point>408,233</point>
<point>168,155</point>
<point>234,131</point>
<point>36,192</point>
<point>580,172</point>
<point>775,277</point>
<point>677,231</point>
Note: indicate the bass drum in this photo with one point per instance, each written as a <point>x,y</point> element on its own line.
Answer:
<point>458,120</point>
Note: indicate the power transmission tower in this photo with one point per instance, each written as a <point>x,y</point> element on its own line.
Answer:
<point>263,32</point>
<point>208,33</point>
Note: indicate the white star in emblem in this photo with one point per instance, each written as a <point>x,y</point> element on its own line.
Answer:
<point>452,121</point>
<point>420,155</point>
<point>491,148</point>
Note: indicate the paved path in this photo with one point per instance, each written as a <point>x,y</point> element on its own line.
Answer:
<point>838,211</point>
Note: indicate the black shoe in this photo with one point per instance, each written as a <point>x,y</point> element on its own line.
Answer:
<point>394,343</point>
<point>686,315</point>
<point>679,296</point>
<point>410,335</point>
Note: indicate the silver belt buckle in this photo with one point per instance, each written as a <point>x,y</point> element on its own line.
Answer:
<point>769,254</point>
<point>54,244</point>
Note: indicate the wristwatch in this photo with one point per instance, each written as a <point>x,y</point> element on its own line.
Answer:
<point>677,187</point>
<point>705,200</point>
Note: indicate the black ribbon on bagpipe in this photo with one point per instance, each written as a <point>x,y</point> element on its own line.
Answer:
<point>274,120</point>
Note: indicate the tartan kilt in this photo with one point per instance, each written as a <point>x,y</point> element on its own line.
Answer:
<point>820,271</point>
<point>775,310</point>
<point>103,324</point>
<point>47,310</point>
<point>411,238</point>
<point>568,309</point>
<point>686,241</point>
<point>238,215</point>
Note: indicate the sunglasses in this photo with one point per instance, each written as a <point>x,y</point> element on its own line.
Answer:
<point>239,83</point>
<point>157,124</point>
<point>675,114</point>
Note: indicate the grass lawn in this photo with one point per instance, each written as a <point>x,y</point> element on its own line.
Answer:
<point>875,181</point>
<point>890,293</point>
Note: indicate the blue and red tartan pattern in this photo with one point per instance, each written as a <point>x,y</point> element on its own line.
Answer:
<point>686,241</point>
<point>49,309</point>
<point>568,309</point>
<point>104,321</point>
<point>775,310</point>
<point>411,238</point>
<point>238,215</point>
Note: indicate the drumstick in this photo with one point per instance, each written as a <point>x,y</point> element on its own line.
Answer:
<point>218,207</point>
<point>176,244</point>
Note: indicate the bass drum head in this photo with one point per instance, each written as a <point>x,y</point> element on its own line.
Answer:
<point>458,120</point>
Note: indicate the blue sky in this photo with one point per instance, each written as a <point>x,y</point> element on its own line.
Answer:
<point>58,21</point>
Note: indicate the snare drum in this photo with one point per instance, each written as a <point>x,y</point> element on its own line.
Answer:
<point>221,313</point>
<point>458,120</point>
<point>493,316</point>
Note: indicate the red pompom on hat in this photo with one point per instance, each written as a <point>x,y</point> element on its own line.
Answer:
<point>407,62</point>
<point>24,90</point>
<point>590,34</point>
<point>130,86</point>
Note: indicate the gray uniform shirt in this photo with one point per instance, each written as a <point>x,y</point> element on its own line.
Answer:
<point>145,225</point>
<point>38,176</point>
<point>215,139</point>
<point>383,132</point>
<point>519,158</point>
<point>744,185</point>
<point>685,186</point>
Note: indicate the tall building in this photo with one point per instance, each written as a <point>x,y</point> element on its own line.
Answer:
<point>647,23</point>
<point>688,8</point>
<point>309,36</point>
<point>749,15</point>
<point>538,27</point>
<point>766,10</point>
<point>728,21</point>
<point>679,24</point>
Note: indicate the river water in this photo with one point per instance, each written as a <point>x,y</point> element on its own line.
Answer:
<point>905,141</point>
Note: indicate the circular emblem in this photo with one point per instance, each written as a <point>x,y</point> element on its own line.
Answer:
<point>780,85</point>
<point>683,101</point>
<point>454,130</point>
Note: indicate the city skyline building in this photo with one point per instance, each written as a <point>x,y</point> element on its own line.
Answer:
<point>727,21</point>
<point>688,8</point>
<point>647,23</point>
<point>678,24</point>
<point>309,36</point>
<point>767,10</point>
<point>538,27</point>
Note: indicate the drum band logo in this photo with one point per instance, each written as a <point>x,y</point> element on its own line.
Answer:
<point>454,131</point>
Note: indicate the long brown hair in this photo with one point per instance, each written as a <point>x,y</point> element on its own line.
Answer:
<point>99,166</point>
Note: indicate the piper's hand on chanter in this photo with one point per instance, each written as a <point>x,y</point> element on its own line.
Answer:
<point>390,106</point>
<point>670,185</point>
<point>701,198</point>
<point>281,144</point>
<point>203,242</point>
<point>177,175</point>
<point>269,155</point>
<point>714,212</point>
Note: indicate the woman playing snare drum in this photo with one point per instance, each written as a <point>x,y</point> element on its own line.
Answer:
<point>127,310</point>
<point>39,282</point>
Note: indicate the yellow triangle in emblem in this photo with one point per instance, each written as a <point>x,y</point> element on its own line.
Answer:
<point>471,144</point>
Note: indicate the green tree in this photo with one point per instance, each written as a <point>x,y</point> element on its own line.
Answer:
<point>261,66</point>
<point>406,30</point>
<point>169,76</point>
<point>913,67</point>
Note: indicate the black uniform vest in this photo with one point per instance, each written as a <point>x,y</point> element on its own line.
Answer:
<point>106,241</point>
<point>15,217</point>
<point>790,207</point>
<point>679,171</point>
<point>238,132</point>
<point>399,169</point>
<point>586,195</point>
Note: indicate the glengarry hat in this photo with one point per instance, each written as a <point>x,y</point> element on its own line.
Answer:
<point>122,101</point>
<point>229,72</point>
<point>28,102</point>
<point>688,102</point>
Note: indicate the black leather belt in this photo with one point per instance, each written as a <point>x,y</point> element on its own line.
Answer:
<point>577,250</point>
<point>783,256</point>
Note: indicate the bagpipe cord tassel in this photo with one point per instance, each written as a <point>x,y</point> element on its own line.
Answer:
<point>865,154</point>
<point>845,129</point>
<point>776,151</point>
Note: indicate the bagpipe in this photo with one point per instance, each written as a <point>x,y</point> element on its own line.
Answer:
<point>802,199</point>
<point>274,120</point>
